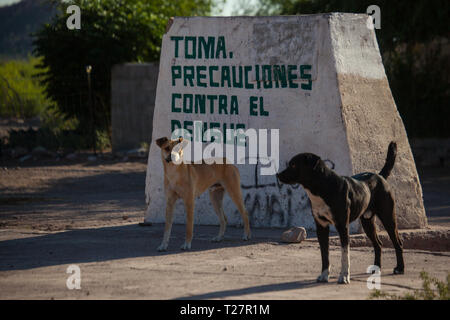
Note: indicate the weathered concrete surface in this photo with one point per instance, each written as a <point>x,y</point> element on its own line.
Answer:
<point>370,115</point>
<point>133,91</point>
<point>347,116</point>
<point>297,113</point>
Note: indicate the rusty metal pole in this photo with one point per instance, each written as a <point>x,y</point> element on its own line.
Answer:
<point>91,108</point>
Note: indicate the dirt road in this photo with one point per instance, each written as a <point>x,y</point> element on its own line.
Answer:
<point>54,215</point>
<point>122,263</point>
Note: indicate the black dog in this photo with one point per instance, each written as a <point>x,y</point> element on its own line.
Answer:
<point>340,200</point>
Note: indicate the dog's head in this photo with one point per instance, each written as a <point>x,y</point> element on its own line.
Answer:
<point>301,169</point>
<point>171,150</point>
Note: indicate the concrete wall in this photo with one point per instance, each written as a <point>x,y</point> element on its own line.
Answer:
<point>338,117</point>
<point>133,92</point>
<point>370,115</point>
<point>431,151</point>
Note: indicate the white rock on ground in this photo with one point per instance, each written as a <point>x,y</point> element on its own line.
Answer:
<point>294,235</point>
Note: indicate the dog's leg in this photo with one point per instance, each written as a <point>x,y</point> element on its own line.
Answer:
<point>189,207</point>
<point>388,217</point>
<point>235,194</point>
<point>244,214</point>
<point>344,277</point>
<point>323,235</point>
<point>398,245</point>
<point>371,232</point>
<point>170,203</point>
<point>216,196</point>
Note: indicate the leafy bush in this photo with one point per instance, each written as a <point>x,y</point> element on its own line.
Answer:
<point>21,93</point>
<point>419,79</point>
<point>441,290</point>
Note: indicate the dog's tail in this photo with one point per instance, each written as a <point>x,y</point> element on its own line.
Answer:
<point>390,160</point>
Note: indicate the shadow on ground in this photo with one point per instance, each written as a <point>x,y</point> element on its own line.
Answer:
<point>284,286</point>
<point>111,243</point>
<point>291,285</point>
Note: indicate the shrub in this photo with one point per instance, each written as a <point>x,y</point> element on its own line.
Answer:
<point>441,290</point>
<point>21,93</point>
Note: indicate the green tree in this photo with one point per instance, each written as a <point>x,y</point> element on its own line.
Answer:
<point>112,32</point>
<point>413,41</point>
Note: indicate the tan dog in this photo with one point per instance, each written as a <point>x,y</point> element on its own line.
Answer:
<point>188,181</point>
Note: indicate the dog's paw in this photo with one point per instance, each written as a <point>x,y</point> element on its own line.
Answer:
<point>376,271</point>
<point>398,270</point>
<point>217,239</point>
<point>162,247</point>
<point>186,246</point>
<point>344,278</point>
<point>324,276</point>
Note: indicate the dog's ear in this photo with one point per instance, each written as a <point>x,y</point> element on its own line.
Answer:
<point>313,161</point>
<point>318,166</point>
<point>181,144</point>
<point>161,141</point>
